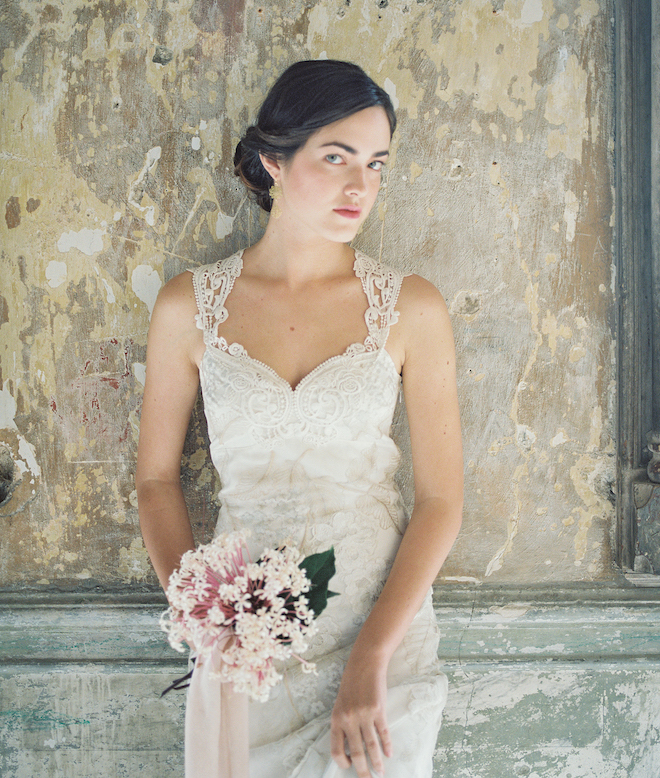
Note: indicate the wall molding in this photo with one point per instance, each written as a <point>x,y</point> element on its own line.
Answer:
<point>598,624</point>
<point>479,624</point>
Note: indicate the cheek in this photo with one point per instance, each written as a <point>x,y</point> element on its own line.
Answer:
<point>306,186</point>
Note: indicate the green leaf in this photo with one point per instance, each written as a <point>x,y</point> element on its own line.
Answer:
<point>319,568</point>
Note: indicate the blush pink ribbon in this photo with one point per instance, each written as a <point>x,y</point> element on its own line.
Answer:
<point>216,734</point>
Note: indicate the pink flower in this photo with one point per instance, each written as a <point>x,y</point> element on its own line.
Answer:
<point>217,594</point>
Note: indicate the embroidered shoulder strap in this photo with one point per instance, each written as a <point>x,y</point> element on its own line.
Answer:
<point>212,283</point>
<point>381,285</point>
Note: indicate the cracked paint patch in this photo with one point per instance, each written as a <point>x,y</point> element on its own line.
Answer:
<point>87,241</point>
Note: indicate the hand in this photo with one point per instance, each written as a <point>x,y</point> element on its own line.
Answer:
<point>359,732</point>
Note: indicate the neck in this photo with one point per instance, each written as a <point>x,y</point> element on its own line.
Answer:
<point>284,255</point>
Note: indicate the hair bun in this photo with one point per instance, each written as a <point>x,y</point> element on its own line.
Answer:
<point>248,167</point>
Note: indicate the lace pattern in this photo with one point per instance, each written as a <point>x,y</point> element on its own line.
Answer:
<point>212,284</point>
<point>381,284</point>
<point>314,465</point>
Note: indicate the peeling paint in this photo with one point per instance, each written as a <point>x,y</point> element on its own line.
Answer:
<point>56,273</point>
<point>559,439</point>
<point>390,88</point>
<point>224,225</point>
<point>140,372</point>
<point>88,241</point>
<point>110,295</point>
<point>532,11</point>
<point>137,196</point>
<point>29,454</point>
<point>134,564</point>
<point>7,410</point>
<point>123,120</point>
<point>146,284</point>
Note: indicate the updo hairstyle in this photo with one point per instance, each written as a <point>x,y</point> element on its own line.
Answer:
<point>307,96</point>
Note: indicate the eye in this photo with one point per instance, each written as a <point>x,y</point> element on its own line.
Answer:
<point>377,164</point>
<point>333,159</point>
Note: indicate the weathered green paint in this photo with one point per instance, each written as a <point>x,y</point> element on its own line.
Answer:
<point>561,684</point>
<point>584,721</point>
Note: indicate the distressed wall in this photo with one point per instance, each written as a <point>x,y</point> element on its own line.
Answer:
<point>117,127</point>
<point>118,124</point>
<point>559,684</point>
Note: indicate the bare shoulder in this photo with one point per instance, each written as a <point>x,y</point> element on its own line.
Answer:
<point>178,295</point>
<point>417,293</point>
<point>176,307</point>
<point>173,324</point>
<point>423,311</point>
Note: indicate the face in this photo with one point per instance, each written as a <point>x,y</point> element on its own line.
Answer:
<point>331,183</point>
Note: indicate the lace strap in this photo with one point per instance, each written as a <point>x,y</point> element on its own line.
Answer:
<point>212,284</point>
<point>381,285</point>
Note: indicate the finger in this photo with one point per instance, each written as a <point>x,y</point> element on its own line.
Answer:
<point>338,748</point>
<point>358,756</point>
<point>384,735</point>
<point>372,745</point>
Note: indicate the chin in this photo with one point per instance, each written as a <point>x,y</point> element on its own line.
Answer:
<point>348,233</point>
<point>347,238</point>
<point>339,236</point>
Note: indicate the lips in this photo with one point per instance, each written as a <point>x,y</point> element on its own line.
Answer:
<point>349,211</point>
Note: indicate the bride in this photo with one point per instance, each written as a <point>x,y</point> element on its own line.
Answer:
<point>301,344</point>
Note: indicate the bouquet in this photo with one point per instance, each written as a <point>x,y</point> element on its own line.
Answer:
<point>254,613</point>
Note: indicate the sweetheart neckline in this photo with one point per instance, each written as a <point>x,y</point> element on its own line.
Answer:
<point>374,342</point>
<point>347,353</point>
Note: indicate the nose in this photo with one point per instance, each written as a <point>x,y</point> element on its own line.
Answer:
<point>357,182</point>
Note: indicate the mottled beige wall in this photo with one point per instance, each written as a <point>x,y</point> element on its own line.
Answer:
<point>118,126</point>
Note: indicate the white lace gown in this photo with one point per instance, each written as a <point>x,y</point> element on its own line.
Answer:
<point>315,466</point>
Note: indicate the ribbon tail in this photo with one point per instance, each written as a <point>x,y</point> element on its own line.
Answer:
<point>216,729</point>
<point>179,683</point>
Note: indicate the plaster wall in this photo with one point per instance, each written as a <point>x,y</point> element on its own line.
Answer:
<point>119,119</point>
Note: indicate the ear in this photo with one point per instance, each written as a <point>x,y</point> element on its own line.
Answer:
<point>272,166</point>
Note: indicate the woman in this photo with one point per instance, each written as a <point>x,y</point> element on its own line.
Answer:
<point>301,344</point>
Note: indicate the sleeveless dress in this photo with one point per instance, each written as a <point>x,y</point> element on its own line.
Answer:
<point>315,466</point>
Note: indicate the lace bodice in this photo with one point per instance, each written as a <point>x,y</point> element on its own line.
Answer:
<point>314,465</point>
<point>344,394</point>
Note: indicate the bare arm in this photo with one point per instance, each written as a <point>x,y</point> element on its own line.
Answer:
<point>170,390</point>
<point>426,350</point>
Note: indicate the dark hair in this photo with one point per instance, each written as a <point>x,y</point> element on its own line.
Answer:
<point>307,96</point>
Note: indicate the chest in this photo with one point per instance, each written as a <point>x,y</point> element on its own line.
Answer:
<point>294,331</point>
<point>348,397</point>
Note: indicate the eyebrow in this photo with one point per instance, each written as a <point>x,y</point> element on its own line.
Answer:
<point>351,150</point>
